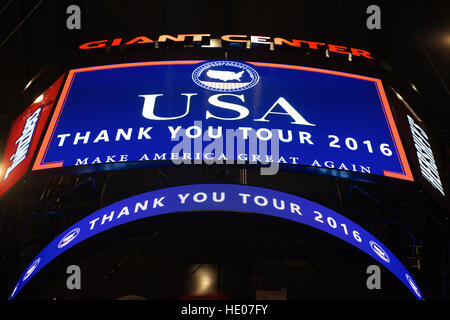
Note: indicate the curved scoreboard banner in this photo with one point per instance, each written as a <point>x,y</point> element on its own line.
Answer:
<point>224,111</point>
<point>224,198</point>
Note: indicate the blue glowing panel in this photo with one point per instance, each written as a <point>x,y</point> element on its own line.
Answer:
<point>220,197</point>
<point>188,111</point>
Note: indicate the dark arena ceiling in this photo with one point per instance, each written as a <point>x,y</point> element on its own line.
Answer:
<point>36,47</point>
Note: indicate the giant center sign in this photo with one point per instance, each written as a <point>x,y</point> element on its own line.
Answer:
<point>223,198</point>
<point>224,111</point>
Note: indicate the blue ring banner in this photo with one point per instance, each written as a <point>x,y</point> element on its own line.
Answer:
<point>225,198</point>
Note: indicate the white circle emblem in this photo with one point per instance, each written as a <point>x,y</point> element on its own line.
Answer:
<point>69,237</point>
<point>379,251</point>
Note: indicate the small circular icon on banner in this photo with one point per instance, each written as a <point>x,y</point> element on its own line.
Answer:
<point>379,251</point>
<point>225,76</point>
<point>14,291</point>
<point>31,269</point>
<point>413,285</point>
<point>69,237</point>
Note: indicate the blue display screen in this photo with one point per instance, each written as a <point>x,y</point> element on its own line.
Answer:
<point>224,198</point>
<point>187,111</point>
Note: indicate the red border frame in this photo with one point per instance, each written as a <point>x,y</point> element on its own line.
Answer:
<point>406,173</point>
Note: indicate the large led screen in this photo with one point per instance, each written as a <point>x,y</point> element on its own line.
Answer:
<point>229,111</point>
<point>222,198</point>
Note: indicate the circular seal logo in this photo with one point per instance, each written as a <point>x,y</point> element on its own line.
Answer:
<point>379,251</point>
<point>69,237</point>
<point>31,269</point>
<point>225,76</point>
<point>413,285</point>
